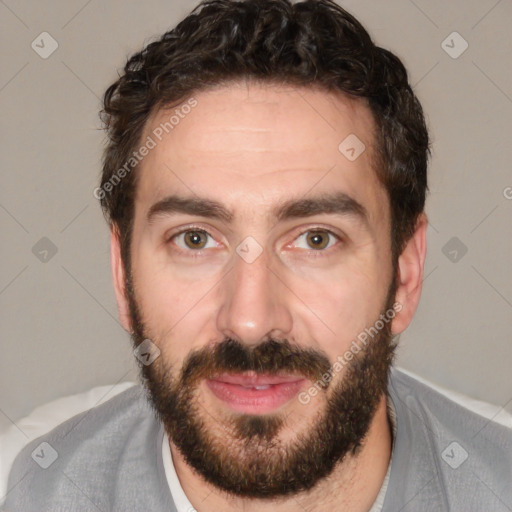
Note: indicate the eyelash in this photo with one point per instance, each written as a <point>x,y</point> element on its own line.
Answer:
<point>198,253</point>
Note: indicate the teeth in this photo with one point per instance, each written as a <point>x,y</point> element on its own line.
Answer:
<point>259,388</point>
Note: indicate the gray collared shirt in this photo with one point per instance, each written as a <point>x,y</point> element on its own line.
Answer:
<point>444,458</point>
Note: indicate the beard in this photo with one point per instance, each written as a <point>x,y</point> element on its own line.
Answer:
<point>243,454</point>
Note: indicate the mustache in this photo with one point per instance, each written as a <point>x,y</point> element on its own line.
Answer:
<point>269,357</point>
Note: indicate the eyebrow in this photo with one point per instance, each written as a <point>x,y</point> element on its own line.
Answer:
<point>337,203</point>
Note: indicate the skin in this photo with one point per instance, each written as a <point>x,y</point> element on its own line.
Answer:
<point>251,147</point>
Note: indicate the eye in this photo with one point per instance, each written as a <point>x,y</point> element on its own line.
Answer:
<point>195,239</point>
<point>317,239</point>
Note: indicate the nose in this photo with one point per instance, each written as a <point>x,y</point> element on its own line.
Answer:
<point>254,305</point>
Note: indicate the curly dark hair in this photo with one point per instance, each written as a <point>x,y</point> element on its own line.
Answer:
<point>309,43</point>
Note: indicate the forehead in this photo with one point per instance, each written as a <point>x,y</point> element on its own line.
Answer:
<point>252,145</point>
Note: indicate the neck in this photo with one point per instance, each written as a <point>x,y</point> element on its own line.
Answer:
<point>353,485</point>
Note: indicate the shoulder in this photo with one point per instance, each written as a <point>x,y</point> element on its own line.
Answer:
<point>468,456</point>
<point>96,425</point>
<point>444,414</point>
<point>83,459</point>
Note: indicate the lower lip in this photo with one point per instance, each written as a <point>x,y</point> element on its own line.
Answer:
<point>254,401</point>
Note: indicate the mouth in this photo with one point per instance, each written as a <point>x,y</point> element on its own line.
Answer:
<point>252,393</point>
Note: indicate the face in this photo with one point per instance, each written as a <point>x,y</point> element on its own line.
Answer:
<point>260,254</point>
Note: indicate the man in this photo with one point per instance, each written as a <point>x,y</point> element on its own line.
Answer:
<point>264,182</point>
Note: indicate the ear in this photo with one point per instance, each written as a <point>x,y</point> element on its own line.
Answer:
<point>118,277</point>
<point>410,276</point>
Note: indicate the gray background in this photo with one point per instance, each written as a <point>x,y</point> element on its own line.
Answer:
<point>60,333</point>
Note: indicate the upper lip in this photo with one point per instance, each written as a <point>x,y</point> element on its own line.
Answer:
<point>254,379</point>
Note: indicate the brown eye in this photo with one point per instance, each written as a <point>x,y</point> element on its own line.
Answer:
<point>318,239</point>
<point>192,240</point>
<point>195,239</point>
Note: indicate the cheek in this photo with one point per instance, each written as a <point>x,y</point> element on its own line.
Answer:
<point>339,308</point>
<point>347,289</point>
<point>174,304</point>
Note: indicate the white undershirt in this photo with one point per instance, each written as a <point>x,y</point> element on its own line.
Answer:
<point>178,495</point>
<point>183,504</point>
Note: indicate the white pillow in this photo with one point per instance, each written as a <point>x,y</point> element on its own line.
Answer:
<point>47,416</point>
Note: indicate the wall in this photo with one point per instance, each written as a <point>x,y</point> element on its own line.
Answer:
<point>58,314</point>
